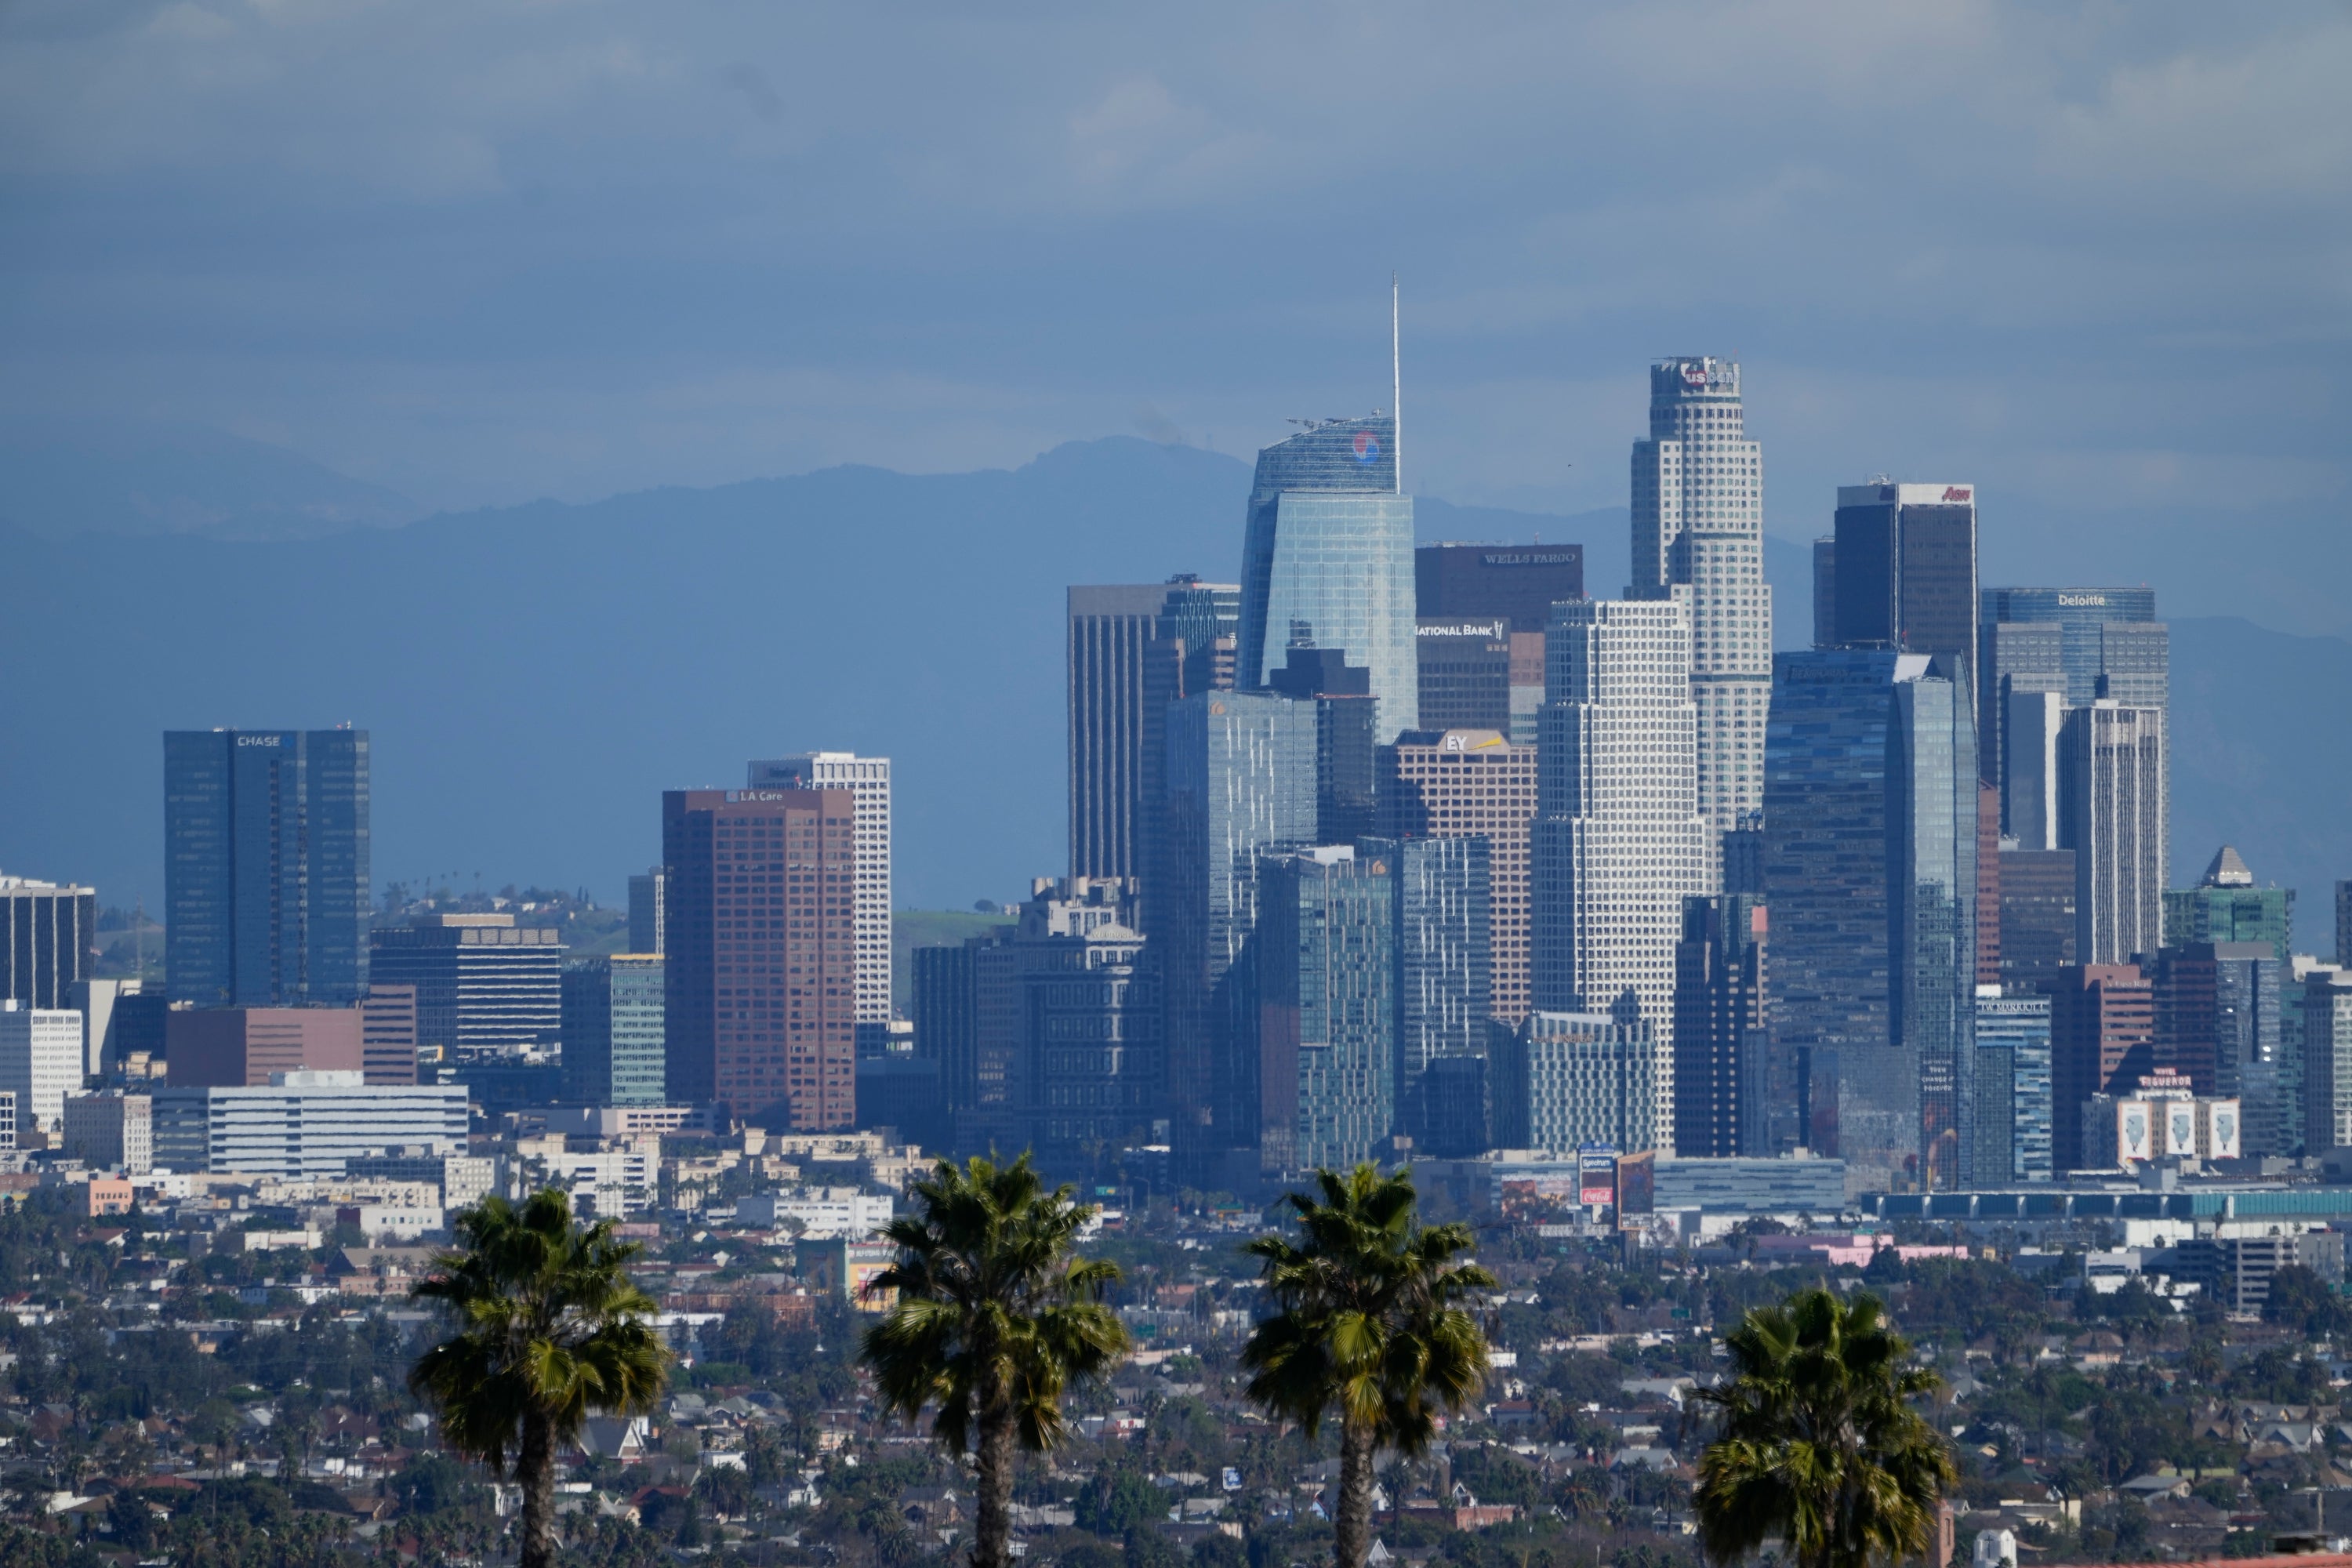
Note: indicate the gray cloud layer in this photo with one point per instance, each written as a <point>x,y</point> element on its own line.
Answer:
<point>2093,255</point>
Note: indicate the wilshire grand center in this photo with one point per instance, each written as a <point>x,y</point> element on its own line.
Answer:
<point>1698,538</point>
<point>1328,563</point>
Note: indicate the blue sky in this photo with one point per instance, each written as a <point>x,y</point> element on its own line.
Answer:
<point>482,252</point>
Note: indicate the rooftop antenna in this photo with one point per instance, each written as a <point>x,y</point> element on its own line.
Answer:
<point>1396,385</point>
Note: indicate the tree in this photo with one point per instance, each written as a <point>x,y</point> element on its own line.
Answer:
<point>548,1327</point>
<point>1367,1323</point>
<point>995,1319</point>
<point>1820,1445</point>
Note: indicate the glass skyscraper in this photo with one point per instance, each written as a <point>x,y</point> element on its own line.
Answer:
<point>266,866</point>
<point>1240,783</point>
<point>613,1042</point>
<point>1870,876</point>
<point>2012,1088</point>
<point>1323,973</point>
<point>2081,643</point>
<point>1327,561</point>
<point>1444,942</point>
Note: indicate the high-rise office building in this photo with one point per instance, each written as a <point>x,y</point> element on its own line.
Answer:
<point>40,1062</point>
<point>1870,874</point>
<point>2226,906</point>
<point>2034,723</point>
<point>2101,1041</point>
<point>1931,906</point>
<point>760,975</point>
<point>614,1052</point>
<point>1469,677</point>
<point>2013,1107</point>
<point>2037,918</point>
<point>946,1018</point>
<point>2217,1024</point>
<point>1327,561</point>
<point>2080,644</point>
<point>647,914</point>
<point>2326,1059</point>
<point>1191,651</point>
<point>240,1046</point>
<point>112,1130</point>
<point>1619,842</point>
<point>2115,815</point>
<point>486,987</point>
<point>1240,784</point>
<point>1566,1079</point>
<point>867,779</point>
<point>1091,1025</point>
<point>1516,584</point>
<point>49,935</point>
<point>388,1033</point>
<point>1718,1021</point>
<point>1049,935</point>
<point>1324,977</point>
<point>1903,572</point>
<point>1443,986</point>
<point>266,866</point>
<point>2344,922</point>
<point>1698,538</point>
<point>1825,591</point>
<point>102,1033</point>
<point>1344,747</point>
<point>1463,783</point>
<point>1108,631</point>
<point>1988,885</point>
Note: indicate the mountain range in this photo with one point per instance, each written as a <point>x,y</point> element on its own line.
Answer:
<point>534,676</point>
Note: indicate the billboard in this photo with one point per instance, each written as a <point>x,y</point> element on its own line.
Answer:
<point>1596,1169</point>
<point>1637,1184</point>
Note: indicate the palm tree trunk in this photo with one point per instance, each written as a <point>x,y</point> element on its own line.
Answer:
<point>535,1469</point>
<point>993,1531</point>
<point>1351,1530</point>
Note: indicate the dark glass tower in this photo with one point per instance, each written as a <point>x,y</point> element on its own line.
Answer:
<point>1870,876</point>
<point>266,866</point>
<point>1904,572</point>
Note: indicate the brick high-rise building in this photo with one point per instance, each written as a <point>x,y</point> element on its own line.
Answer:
<point>1463,783</point>
<point>867,779</point>
<point>761,972</point>
<point>2102,1039</point>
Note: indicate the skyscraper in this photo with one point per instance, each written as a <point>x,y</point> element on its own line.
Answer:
<point>1870,874</point>
<point>2344,922</point>
<point>1565,1080</point>
<point>1444,933</point>
<point>868,779</point>
<point>2013,1123</point>
<point>2226,906</point>
<point>1327,561</point>
<point>2326,1059</point>
<point>48,936</point>
<point>1905,571</point>
<point>1240,784</point>
<point>1619,841</point>
<point>2081,643</point>
<point>1718,1020</point>
<point>1109,632</point>
<point>2101,1041</point>
<point>2037,918</point>
<point>612,1049</point>
<point>1699,537</point>
<point>1516,584</point>
<point>646,910</point>
<point>486,987</point>
<point>1457,783</point>
<point>1191,651</point>
<point>761,975</point>
<point>1324,974</point>
<point>2114,813</point>
<point>266,866</point>
<point>1344,723</point>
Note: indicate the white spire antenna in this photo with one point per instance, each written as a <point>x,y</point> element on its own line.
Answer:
<point>1396,385</point>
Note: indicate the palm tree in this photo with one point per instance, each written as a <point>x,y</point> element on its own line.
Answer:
<point>995,1319</point>
<point>1821,1446</point>
<point>549,1327</point>
<point>1367,1323</point>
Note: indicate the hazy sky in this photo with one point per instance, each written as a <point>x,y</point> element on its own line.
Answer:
<point>486,251</point>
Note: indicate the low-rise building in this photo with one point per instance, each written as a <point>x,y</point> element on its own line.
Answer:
<point>302,1123</point>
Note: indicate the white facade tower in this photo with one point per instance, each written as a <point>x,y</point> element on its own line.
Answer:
<point>1618,840</point>
<point>1698,538</point>
<point>868,779</point>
